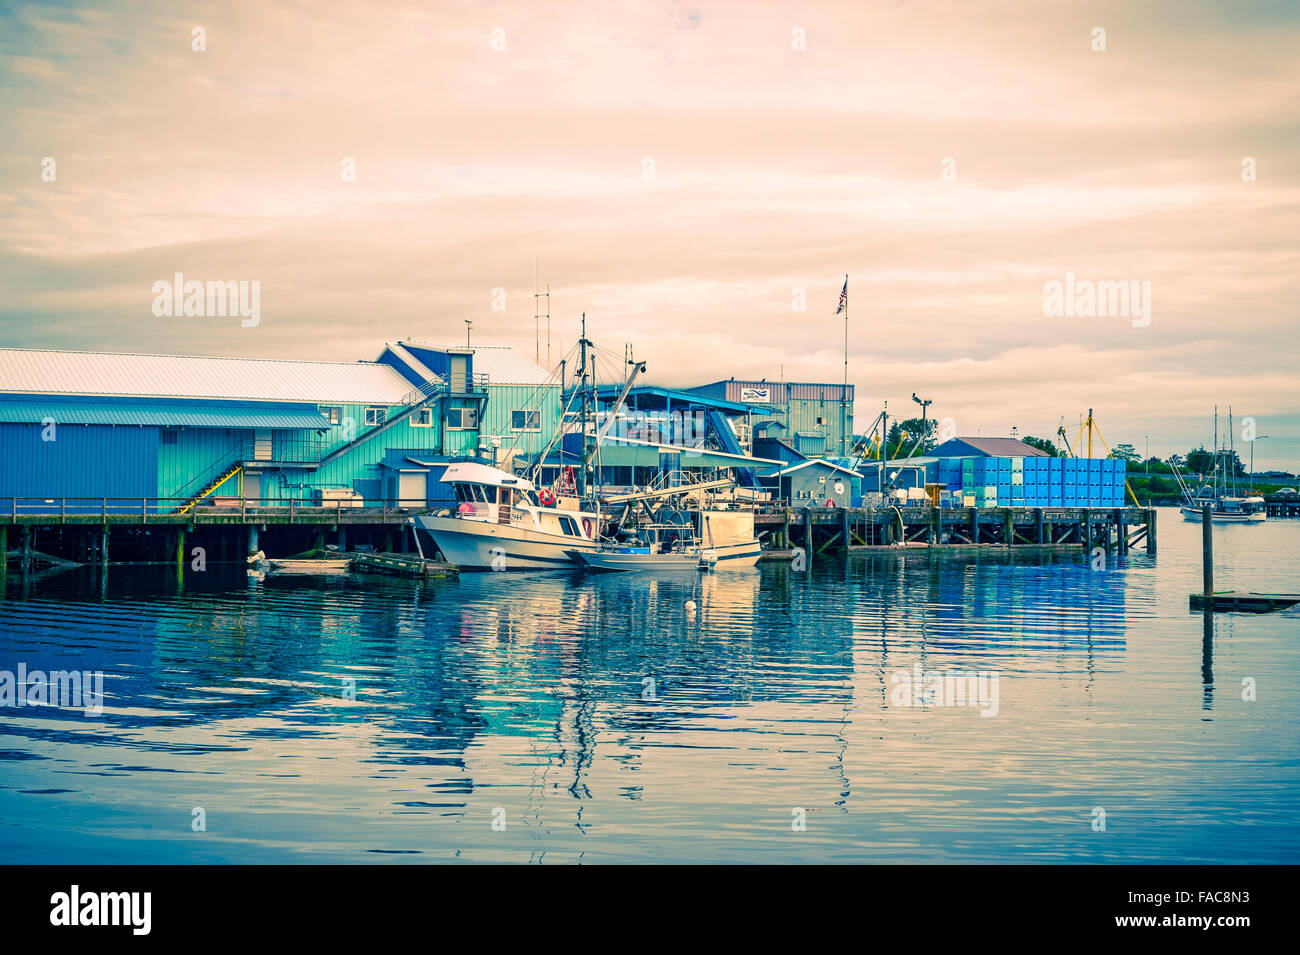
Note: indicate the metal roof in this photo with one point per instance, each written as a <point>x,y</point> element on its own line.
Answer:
<point>803,464</point>
<point>688,398</point>
<point>48,372</point>
<point>993,447</point>
<point>410,361</point>
<point>164,414</point>
<point>503,364</point>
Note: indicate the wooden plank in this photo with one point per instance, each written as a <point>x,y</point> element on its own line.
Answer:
<point>1232,601</point>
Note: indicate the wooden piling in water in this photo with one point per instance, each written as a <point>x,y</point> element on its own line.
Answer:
<point>1207,552</point>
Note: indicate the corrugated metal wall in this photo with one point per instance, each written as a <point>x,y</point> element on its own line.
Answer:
<point>91,461</point>
<point>96,461</point>
<point>188,458</point>
<point>505,399</point>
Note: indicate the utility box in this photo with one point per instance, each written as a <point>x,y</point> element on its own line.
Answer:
<point>337,497</point>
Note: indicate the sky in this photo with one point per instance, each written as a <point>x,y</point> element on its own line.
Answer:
<point>698,178</point>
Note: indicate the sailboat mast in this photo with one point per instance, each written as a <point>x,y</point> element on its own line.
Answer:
<point>582,373</point>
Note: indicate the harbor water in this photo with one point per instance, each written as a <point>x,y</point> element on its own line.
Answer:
<point>756,716</point>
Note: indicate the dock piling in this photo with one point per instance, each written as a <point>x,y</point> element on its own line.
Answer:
<point>1207,552</point>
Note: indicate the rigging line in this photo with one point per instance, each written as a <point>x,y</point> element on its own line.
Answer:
<point>533,398</point>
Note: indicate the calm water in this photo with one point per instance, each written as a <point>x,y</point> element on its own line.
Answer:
<point>524,694</point>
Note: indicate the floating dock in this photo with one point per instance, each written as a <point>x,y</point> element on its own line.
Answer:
<point>402,565</point>
<point>1230,600</point>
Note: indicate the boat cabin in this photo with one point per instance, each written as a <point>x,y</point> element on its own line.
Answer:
<point>488,494</point>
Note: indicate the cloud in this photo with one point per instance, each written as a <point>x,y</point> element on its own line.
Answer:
<point>774,170</point>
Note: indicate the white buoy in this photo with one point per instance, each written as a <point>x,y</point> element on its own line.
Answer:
<point>690,606</point>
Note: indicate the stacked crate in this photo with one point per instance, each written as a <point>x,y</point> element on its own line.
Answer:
<point>1030,481</point>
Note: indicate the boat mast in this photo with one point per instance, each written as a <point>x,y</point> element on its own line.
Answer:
<point>1231,457</point>
<point>582,421</point>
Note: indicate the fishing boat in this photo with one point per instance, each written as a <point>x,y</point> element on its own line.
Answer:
<point>502,522</point>
<point>653,547</point>
<point>676,543</point>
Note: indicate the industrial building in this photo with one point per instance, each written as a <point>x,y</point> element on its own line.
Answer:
<point>100,431</point>
<point>815,483</point>
<point>817,417</point>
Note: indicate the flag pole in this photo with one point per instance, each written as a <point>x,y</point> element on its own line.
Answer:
<point>844,395</point>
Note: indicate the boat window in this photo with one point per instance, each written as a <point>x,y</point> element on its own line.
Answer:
<point>569,526</point>
<point>472,493</point>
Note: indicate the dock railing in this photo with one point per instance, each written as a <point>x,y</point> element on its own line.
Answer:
<point>121,510</point>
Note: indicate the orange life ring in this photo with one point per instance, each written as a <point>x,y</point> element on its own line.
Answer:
<point>586,527</point>
<point>547,497</point>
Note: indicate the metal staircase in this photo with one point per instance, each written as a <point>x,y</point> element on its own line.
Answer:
<point>216,483</point>
<point>421,396</point>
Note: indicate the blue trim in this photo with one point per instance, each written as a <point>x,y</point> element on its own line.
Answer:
<point>75,409</point>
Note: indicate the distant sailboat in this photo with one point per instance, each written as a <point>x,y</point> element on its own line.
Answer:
<point>1217,487</point>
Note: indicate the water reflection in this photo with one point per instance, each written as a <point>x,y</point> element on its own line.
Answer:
<point>583,704</point>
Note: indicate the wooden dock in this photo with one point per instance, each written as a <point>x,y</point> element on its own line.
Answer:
<point>817,529</point>
<point>402,565</point>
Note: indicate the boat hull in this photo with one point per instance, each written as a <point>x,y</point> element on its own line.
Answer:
<point>1193,514</point>
<point>730,557</point>
<point>481,545</point>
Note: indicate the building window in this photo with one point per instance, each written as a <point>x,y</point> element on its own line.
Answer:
<point>525,421</point>
<point>461,419</point>
<point>376,415</point>
<point>422,418</point>
<point>333,415</point>
<point>821,420</point>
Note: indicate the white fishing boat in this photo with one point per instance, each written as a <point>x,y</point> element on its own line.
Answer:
<point>500,523</point>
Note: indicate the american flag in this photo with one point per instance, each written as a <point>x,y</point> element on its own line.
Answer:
<point>844,298</point>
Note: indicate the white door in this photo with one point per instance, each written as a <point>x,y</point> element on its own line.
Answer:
<point>459,373</point>
<point>412,488</point>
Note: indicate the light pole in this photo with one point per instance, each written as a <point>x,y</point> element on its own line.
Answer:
<point>1258,437</point>
<point>468,325</point>
<point>924,403</point>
